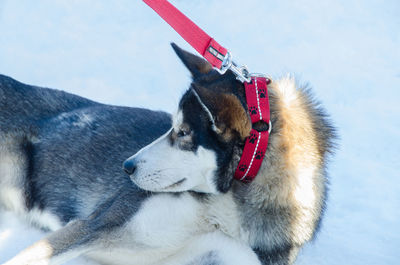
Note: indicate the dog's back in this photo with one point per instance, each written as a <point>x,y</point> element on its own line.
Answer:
<point>53,145</point>
<point>23,107</point>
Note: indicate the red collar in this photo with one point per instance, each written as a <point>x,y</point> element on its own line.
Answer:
<point>219,57</point>
<point>256,144</point>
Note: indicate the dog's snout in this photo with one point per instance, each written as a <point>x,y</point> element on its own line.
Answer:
<point>129,166</point>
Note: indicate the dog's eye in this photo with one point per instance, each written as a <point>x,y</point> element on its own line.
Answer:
<point>183,133</point>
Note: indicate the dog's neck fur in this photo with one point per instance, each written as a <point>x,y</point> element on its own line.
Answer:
<point>289,165</point>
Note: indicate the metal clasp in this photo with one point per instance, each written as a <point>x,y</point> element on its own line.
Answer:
<point>241,72</point>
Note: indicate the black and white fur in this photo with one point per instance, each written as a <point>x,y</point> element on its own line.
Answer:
<point>60,168</point>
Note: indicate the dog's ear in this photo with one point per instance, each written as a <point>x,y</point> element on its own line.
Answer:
<point>196,65</point>
<point>227,114</point>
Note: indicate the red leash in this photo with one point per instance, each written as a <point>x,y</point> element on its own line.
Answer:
<point>219,57</point>
<point>195,36</point>
<point>214,53</point>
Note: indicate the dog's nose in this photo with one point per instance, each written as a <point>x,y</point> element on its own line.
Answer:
<point>129,166</point>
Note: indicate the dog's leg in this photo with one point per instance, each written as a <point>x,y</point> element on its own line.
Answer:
<point>101,230</point>
<point>69,242</point>
<point>164,222</point>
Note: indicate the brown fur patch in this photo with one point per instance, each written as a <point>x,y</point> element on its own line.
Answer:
<point>230,117</point>
<point>302,161</point>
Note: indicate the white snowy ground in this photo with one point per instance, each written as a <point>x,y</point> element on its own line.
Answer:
<point>349,50</point>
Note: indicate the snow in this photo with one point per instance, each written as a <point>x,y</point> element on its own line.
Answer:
<point>118,52</point>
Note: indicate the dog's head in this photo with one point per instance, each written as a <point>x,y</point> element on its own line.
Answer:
<point>202,149</point>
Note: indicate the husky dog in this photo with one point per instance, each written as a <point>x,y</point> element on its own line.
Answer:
<point>60,158</point>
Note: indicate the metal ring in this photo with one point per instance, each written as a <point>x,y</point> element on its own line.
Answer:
<point>241,72</point>
<point>261,75</point>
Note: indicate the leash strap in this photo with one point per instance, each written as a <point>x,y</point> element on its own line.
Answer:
<point>256,144</point>
<point>211,50</point>
<point>219,57</point>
